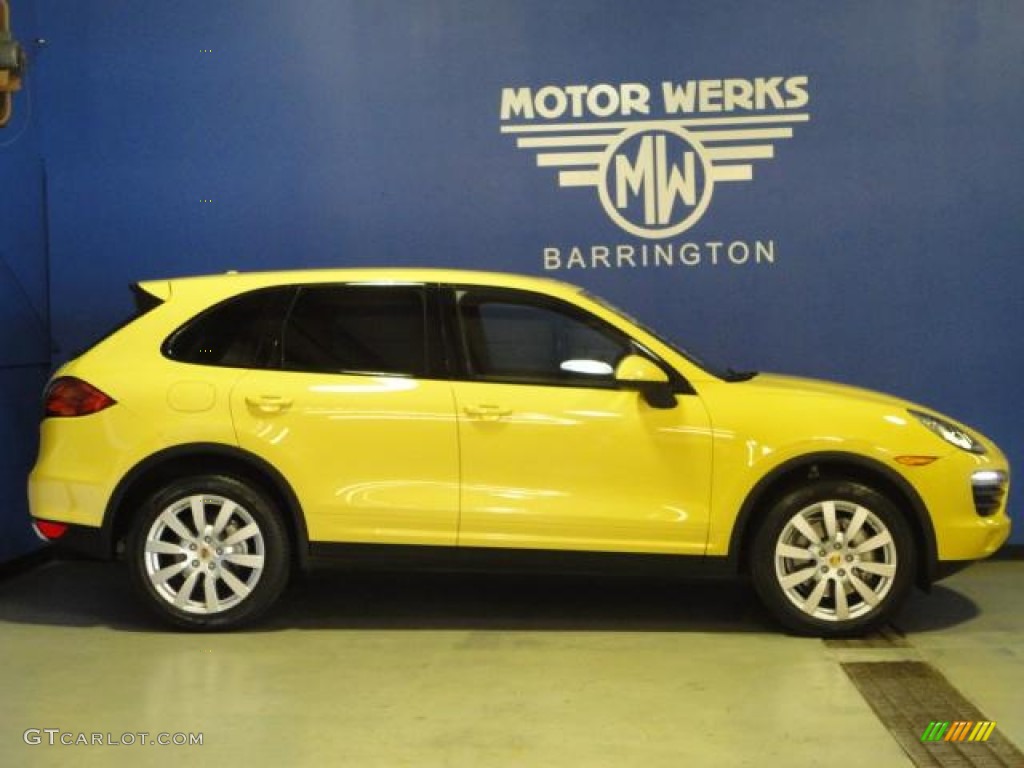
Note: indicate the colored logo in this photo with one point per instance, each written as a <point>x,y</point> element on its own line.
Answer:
<point>958,730</point>
<point>655,178</point>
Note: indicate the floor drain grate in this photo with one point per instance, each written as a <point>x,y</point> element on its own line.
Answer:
<point>913,699</point>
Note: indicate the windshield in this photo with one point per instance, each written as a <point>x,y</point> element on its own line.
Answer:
<point>726,374</point>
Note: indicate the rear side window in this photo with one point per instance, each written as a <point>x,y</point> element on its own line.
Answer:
<point>243,332</point>
<point>358,329</point>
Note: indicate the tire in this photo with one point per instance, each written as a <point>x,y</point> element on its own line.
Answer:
<point>208,552</point>
<point>834,558</point>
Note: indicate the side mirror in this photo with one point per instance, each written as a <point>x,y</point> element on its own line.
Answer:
<point>636,372</point>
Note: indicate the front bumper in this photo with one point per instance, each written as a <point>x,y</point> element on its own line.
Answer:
<point>967,497</point>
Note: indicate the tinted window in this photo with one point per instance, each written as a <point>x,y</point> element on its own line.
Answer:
<point>243,332</point>
<point>357,329</point>
<point>516,336</point>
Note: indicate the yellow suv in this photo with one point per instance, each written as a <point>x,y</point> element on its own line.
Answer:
<point>245,423</point>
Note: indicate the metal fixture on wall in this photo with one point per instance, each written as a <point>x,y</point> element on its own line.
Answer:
<point>12,64</point>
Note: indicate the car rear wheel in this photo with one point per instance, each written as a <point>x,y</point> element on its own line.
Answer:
<point>835,558</point>
<point>209,552</point>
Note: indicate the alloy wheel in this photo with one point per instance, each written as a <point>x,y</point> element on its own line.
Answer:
<point>835,560</point>
<point>204,554</point>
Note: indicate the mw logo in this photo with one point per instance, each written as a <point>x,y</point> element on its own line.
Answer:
<point>655,183</point>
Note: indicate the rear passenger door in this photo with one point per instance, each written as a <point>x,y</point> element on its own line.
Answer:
<point>355,414</point>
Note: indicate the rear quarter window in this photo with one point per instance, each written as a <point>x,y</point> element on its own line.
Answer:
<point>242,332</point>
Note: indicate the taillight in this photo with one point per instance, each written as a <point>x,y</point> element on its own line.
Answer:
<point>69,396</point>
<point>48,530</point>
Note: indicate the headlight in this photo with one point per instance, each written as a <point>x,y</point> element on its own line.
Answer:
<point>949,432</point>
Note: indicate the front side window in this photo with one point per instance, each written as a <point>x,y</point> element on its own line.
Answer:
<point>357,329</point>
<point>515,336</point>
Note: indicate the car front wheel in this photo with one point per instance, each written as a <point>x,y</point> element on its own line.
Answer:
<point>209,552</point>
<point>834,558</point>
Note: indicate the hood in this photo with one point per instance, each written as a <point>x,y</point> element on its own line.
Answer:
<point>795,385</point>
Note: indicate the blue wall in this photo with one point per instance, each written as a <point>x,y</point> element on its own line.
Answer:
<point>24,333</point>
<point>194,136</point>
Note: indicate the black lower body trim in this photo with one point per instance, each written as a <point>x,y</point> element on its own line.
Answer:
<point>946,568</point>
<point>501,560</point>
<point>82,540</point>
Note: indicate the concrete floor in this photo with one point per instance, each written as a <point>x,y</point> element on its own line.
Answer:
<point>412,670</point>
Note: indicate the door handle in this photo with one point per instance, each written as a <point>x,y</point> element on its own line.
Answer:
<point>268,403</point>
<point>486,412</point>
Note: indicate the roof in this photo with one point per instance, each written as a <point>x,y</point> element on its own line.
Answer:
<point>233,281</point>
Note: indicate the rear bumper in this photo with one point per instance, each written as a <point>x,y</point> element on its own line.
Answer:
<point>78,540</point>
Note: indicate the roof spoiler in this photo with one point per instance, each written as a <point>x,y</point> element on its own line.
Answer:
<point>150,294</point>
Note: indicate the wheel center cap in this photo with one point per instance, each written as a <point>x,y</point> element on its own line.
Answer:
<point>835,560</point>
